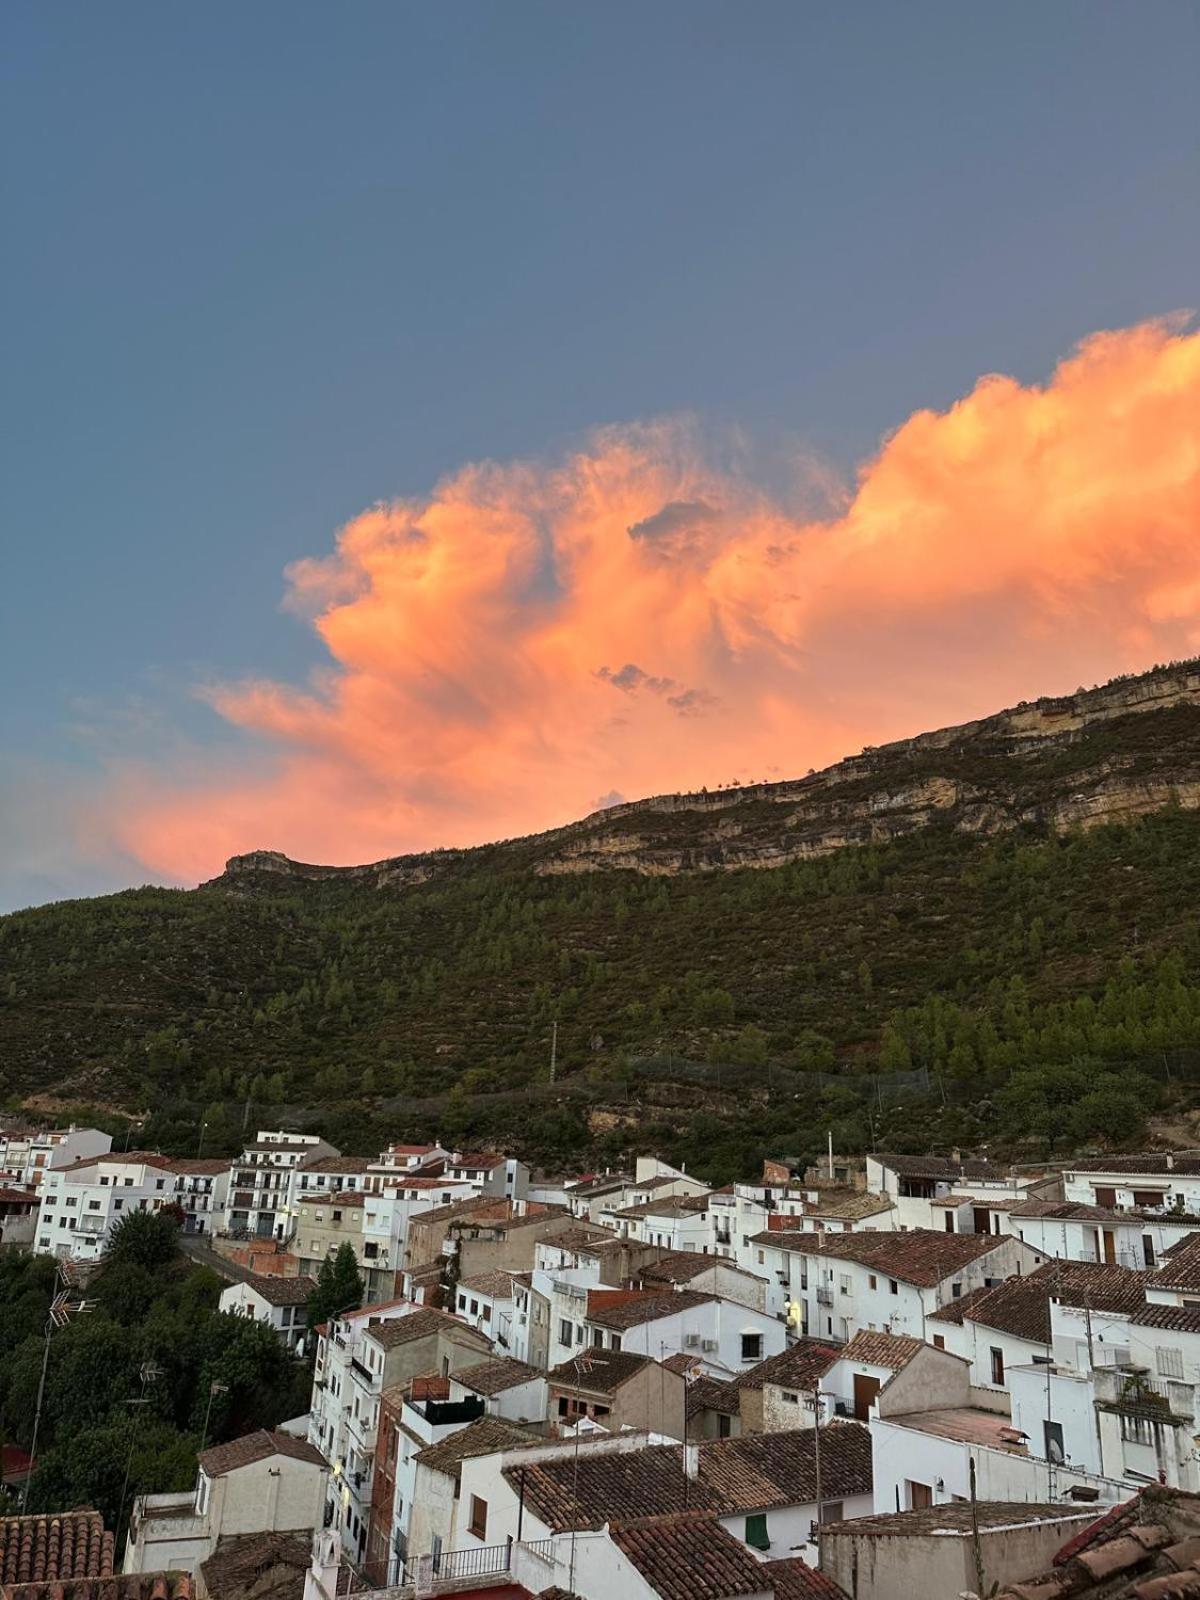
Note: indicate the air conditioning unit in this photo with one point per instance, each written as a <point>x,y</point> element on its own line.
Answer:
<point>691,1341</point>
<point>709,1345</point>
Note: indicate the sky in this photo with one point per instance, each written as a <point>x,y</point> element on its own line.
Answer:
<point>427,424</point>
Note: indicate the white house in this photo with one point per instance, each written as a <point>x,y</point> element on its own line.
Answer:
<point>675,1223</point>
<point>705,1274</point>
<point>261,1203</point>
<point>201,1192</point>
<point>261,1483</point>
<point>761,1487</point>
<point>27,1154</point>
<point>489,1173</point>
<point>485,1301</point>
<point>1070,1230</point>
<point>282,1303</point>
<point>726,1337</point>
<point>508,1388</point>
<point>81,1204</point>
<point>834,1285</point>
<point>1150,1183</point>
<point>918,1186</point>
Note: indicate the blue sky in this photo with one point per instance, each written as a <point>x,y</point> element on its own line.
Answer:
<point>265,265</point>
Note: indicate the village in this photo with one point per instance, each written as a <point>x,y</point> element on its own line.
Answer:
<point>879,1377</point>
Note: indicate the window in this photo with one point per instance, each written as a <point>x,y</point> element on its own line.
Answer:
<point>872,1281</point>
<point>939,1341</point>
<point>598,1337</point>
<point>893,1286</point>
<point>752,1347</point>
<point>1169,1362</point>
<point>1137,1430</point>
<point>478,1522</point>
<point>757,1536</point>
<point>564,1331</point>
<point>761,1258</point>
<point>833,1511</point>
<point>844,1285</point>
<point>474,1308</point>
<point>563,1405</point>
<point>615,1342</point>
<point>118,1205</point>
<point>790,1399</point>
<point>462,1302</point>
<point>997,1356</point>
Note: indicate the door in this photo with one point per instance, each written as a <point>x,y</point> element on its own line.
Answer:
<point>865,1390</point>
<point>1106,1198</point>
<point>1110,1247</point>
<point>983,1220</point>
<point>920,1496</point>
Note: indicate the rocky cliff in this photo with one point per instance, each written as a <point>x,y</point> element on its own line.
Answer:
<point>1109,754</point>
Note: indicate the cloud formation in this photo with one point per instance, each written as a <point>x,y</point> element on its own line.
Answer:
<point>1028,539</point>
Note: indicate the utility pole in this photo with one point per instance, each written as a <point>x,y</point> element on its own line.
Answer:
<point>976,1546</point>
<point>214,1388</point>
<point>816,1396</point>
<point>149,1373</point>
<point>62,1309</point>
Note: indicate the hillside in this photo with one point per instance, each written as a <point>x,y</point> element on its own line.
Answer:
<point>986,932</point>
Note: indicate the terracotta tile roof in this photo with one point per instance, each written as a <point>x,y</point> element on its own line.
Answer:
<point>481,1160</point>
<point>891,1350</point>
<point>688,1555</point>
<point>1182,1269</point>
<point>755,1472</point>
<point>130,1586</point>
<point>641,1308</point>
<point>599,1371</point>
<point>941,1167</point>
<point>681,1266</point>
<point>280,1291</point>
<point>1157,1165</point>
<point>259,1566</point>
<point>335,1164</point>
<point>422,1324</point>
<point>676,1205</point>
<point>200,1166</point>
<point>921,1256</point>
<point>848,1204</point>
<point>1179,1319</point>
<point>480,1438</point>
<point>497,1284</point>
<point>720,1395</point>
<point>493,1377</point>
<point>799,1366</point>
<point>72,1544</point>
<point>1021,1306</point>
<point>252,1447</point>
<point>1145,1549</point>
<point>956,1517</point>
<point>794,1579</point>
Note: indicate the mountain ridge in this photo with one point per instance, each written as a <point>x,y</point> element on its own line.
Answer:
<point>954,774</point>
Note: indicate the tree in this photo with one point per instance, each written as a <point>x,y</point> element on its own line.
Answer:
<point>340,1287</point>
<point>146,1238</point>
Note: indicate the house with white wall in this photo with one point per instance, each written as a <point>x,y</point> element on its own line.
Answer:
<point>80,1204</point>
<point>919,1186</point>
<point>485,1301</point>
<point>261,1483</point>
<point>281,1303</point>
<point>201,1192</point>
<point>725,1336</point>
<point>1161,1182</point>
<point>262,1189</point>
<point>508,1388</point>
<point>705,1274</point>
<point>1070,1230</point>
<point>26,1154</point>
<point>488,1173</point>
<point>761,1488</point>
<point>834,1285</point>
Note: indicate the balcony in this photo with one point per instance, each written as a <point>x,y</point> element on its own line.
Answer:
<point>428,1574</point>
<point>824,1297</point>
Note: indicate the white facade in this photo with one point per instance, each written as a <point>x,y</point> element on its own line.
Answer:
<point>725,1337</point>
<point>262,1191</point>
<point>26,1157</point>
<point>1166,1182</point>
<point>81,1204</point>
<point>257,1301</point>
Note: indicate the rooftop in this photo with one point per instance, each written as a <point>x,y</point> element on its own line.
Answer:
<point>1146,1549</point>
<point>681,1266</point>
<point>344,1165</point>
<point>72,1544</point>
<point>1021,1306</point>
<point>794,1579</point>
<point>956,1519</point>
<point>921,1256</point>
<point>631,1313</point>
<point>280,1291</point>
<point>688,1555</point>
<point>1153,1165</point>
<point>848,1204</point>
<point>799,1366</point>
<point>259,1566</point>
<point>968,1424</point>
<point>422,1324</point>
<point>942,1167</point>
<point>483,1437</point>
<point>493,1377</point>
<point>1181,1270</point>
<point>891,1350</point>
<point>599,1371</point>
<point>497,1284</point>
<point>755,1472</point>
<point>251,1447</point>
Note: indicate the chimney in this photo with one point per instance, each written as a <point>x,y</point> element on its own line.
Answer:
<point>691,1461</point>
<point>1170,1163</point>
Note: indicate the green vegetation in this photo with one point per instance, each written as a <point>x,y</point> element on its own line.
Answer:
<point>1031,990</point>
<point>130,1383</point>
<point>340,1288</point>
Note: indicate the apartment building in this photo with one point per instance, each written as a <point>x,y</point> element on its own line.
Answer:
<point>261,1202</point>
<point>26,1154</point>
<point>80,1204</point>
<point>281,1303</point>
<point>368,1223</point>
<point>201,1192</point>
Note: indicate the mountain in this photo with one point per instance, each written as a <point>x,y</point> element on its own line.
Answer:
<point>986,933</point>
<point>1109,754</point>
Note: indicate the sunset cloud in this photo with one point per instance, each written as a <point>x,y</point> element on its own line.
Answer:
<point>634,620</point>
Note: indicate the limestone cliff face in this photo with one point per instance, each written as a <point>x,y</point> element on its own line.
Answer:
<point>1109,754</point>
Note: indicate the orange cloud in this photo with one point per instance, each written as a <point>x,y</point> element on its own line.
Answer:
<point>527,640</point>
